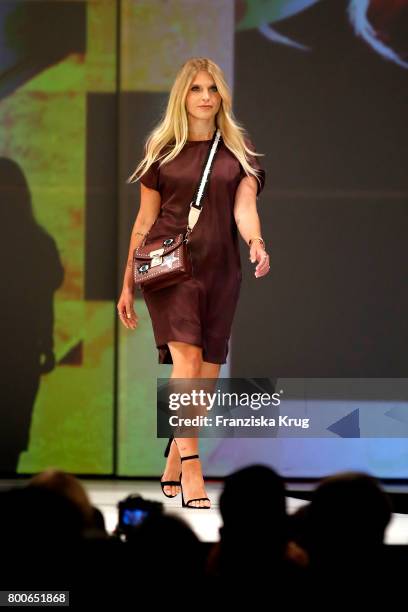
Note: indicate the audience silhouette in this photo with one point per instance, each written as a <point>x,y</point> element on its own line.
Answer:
<point>52,537</point>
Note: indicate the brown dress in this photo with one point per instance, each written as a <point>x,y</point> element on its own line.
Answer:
<point>199,310</point>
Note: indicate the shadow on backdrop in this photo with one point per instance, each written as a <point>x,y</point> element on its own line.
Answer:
<point>31,270</point>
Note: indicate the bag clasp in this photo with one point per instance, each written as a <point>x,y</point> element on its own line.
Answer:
<point>157,258</point>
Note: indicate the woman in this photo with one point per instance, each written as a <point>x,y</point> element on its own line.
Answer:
<point>192,319</point>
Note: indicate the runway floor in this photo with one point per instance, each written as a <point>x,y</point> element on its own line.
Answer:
<point>105,495</point>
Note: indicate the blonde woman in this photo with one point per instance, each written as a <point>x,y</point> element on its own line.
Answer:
<point>192,319</point>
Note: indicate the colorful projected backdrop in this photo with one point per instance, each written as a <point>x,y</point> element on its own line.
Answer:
<point>81,85</point>
<point>55,57</point>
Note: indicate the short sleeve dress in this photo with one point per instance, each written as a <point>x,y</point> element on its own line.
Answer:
<point>199,310</point>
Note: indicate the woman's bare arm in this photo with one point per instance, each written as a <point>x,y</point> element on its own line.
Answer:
<point>245,211</point>
<point>248,222</point>
<point>150,201</point>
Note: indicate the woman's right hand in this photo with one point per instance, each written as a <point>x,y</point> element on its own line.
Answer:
<point>126,312</point>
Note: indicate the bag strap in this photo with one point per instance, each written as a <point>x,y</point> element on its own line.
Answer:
<point>196,205</point>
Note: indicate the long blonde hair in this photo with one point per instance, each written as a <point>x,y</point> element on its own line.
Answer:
<point>173,127</point>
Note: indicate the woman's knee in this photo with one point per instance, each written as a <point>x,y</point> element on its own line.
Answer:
<point>186,357</point>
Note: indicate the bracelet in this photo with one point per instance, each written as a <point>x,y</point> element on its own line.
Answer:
<point>140,233</point>
<point>257,238</point>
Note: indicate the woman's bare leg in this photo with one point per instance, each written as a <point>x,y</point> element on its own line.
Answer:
<point>210,370</point>
<point>187,360</point>
<point>188,363</point>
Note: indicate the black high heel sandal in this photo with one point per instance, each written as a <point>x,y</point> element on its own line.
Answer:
<point>186,504</point>
<point>168,483</point>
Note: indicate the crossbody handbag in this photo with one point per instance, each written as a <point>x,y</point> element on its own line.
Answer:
<point>167,261</point>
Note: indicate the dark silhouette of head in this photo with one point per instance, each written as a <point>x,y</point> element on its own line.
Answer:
<point>348,514</point>
<point>166,545</point>
<point>70,487</point>
<point>15,199</point>
<point>39,516</point>
<point>253,509</point>
<point>263,486</point>
<point>41,535</point>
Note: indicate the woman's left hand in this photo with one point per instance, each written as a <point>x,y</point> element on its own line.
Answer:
<point>258,253</point>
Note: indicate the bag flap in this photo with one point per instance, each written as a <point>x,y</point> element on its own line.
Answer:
<point>142,252</point>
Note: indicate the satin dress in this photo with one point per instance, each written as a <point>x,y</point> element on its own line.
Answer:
<point>199,310</point>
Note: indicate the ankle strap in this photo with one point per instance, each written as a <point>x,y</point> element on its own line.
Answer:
<point>189,457</point>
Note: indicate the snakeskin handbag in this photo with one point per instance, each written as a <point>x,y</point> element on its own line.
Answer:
<point>164,262</point>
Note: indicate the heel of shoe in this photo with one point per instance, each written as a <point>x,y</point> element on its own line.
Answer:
<point>185,504</point>
<point>167,450</point>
